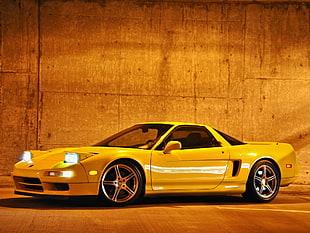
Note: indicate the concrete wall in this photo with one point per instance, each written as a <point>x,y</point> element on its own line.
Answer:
<point>73,72</point>
<point>18,80</point>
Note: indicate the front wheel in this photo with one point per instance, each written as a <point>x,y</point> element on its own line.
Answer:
<point>263,182</point>
<point>121,183</point>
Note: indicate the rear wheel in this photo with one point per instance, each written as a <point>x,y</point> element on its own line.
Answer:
<point>121,183</point>
<point>263,182</point>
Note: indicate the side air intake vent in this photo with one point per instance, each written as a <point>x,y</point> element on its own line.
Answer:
<point>236,167</point>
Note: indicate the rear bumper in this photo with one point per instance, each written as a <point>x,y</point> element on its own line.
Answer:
<point>287,181</point>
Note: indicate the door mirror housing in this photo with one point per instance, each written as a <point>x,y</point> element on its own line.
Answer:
<point>172,145</point>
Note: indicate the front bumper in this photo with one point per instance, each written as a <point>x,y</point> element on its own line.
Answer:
<point>29,181</point>
<point>34,187</point>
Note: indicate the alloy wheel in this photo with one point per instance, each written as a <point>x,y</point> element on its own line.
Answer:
<point>120,183</point>
<point>265,181</point>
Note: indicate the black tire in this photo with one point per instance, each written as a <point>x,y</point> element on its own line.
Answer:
<point>121,183</point>
<point>263,182</point>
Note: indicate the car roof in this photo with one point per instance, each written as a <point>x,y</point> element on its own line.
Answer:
<point>173,123</point>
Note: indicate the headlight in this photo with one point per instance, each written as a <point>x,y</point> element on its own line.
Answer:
<point>75,158</point>
<point>27,156</point>
<point>72,158</point>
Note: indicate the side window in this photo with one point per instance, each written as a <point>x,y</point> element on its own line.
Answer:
<point>191,137</point>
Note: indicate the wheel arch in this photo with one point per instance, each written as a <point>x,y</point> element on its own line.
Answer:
<point>134,162</point>
<point>270,160</point>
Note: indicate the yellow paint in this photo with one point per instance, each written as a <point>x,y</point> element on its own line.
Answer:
<point>188,171</point>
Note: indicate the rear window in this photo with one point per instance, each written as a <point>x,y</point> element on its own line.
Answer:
<point>232,141</point>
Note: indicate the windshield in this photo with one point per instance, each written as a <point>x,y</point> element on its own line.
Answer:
<point>142,136</point>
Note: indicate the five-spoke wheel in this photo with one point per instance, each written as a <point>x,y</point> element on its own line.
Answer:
<point>121,183</point>
<point>263,182</point>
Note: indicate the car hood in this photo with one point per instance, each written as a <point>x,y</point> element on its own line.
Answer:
<point>55,158</point>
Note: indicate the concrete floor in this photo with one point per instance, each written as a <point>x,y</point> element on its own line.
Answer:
<point>287,213</point>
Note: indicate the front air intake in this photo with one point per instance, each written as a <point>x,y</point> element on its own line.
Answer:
<point>28,183</point>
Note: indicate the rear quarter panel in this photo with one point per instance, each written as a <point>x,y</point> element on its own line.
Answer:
<point>282,154</point>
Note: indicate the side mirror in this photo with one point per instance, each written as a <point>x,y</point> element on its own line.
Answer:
<point>172,145</point>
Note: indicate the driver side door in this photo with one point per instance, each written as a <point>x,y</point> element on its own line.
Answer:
<point>199,165</point>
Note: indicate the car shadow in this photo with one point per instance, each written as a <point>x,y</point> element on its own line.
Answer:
<point>95,203</point>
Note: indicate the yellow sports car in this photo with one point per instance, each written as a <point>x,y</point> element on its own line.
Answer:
<point>159,158</point>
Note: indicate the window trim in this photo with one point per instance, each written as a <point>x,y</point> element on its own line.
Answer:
<point>161,146</point>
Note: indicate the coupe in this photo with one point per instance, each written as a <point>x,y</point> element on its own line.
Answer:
<point>164,158</point>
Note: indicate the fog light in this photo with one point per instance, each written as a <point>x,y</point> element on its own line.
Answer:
<point>52,173</point>
<point>67,174</point>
